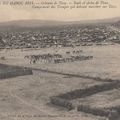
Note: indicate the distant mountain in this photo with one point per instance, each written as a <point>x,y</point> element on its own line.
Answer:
<point>45,23</point>
<point>100,21</point>
<point>31,23</point>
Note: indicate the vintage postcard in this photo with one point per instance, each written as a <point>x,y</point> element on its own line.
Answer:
<point>59,60</point>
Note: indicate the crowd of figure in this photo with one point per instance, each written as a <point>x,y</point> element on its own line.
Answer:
<point>57,58</point>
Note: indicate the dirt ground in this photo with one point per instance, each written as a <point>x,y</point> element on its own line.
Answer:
<point>27,97</point>
<point>105,62</point>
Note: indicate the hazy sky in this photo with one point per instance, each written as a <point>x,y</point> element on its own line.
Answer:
<point>8,12</point>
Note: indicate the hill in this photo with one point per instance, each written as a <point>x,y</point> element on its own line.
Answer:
<point>41,23</point>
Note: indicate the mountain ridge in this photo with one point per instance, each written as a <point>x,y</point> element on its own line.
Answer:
<point>42,23</point>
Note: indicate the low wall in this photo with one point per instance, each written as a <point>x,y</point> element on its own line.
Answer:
<point>80,93</point>
<point>94,111</point>
<point>16,72</point>
<point>61,102</point>
<point>75,75</point>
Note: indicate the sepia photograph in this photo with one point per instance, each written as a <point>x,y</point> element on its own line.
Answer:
<point>59,60</point>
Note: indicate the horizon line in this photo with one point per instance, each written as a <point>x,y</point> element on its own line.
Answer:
<point>61,20</point>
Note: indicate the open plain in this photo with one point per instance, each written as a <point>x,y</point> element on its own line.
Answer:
<point>59,70</point>
<point>28,97</point>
